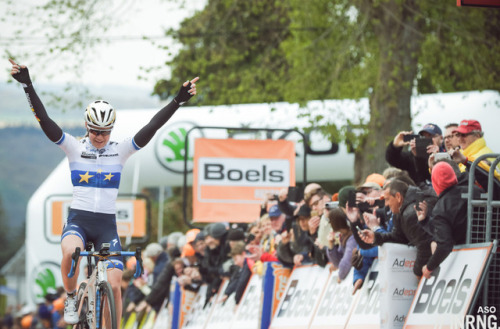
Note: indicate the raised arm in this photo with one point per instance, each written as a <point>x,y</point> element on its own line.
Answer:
<point>188,89</point>
<point>49,127</point>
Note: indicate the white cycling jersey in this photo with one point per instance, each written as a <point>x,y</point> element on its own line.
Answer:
<point>96,173</point>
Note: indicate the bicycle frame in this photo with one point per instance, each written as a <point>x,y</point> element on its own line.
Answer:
<point>95,279</point>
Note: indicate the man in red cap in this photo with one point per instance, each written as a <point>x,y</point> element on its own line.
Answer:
<point>473,145</point>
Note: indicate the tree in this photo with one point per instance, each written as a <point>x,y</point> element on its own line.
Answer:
<point>386,50</point>
<point>235,47</point>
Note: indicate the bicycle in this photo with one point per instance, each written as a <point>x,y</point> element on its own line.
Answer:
<point>95,301</point>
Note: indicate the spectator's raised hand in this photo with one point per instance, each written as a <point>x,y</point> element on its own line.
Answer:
<point>283,195</point>
<point>413,147</point>
<point>457,156</point>
<point>314,224</point>
<point>371,220</point>
<point>399,139</point>
<point>422,213</point>
<point>352,213</point>
<point>432,149</point>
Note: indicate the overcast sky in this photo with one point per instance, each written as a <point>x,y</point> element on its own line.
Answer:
<point>116,63</point>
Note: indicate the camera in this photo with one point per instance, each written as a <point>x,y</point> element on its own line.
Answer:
<point>419,198</point>
<point>408,138</point>
<point>331,205</point>
<point>441,155</point>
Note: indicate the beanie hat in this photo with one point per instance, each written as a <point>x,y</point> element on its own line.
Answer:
<point>304,211</point>
<point>443,177</point>
<point>217,230</point>
<point>344,195</point>
<point>235,235</point>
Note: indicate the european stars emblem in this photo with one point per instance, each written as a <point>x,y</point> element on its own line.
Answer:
<point>85,177</point>
<point>108,177</point>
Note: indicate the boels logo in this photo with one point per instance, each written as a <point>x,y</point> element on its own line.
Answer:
<point>170,146</point>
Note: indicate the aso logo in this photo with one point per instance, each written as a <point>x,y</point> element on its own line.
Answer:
<point>45,277</point>
<point>170,146</point>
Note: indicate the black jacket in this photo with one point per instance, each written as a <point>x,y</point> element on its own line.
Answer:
<point>406,229</point>
<point>417,168</point>
<point>447,223</point>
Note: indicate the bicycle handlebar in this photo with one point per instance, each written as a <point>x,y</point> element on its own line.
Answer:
<point>78,253</point>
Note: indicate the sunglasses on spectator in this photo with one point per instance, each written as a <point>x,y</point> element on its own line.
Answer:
<point>463,135</point>
<point>99,132</point>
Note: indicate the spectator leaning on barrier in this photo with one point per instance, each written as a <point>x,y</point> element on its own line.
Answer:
<point>408,160</point>
<point>241,272</point>
<point>401,198</point>
<point>296,245</point>
<point>216,254</point>
<point>447,223</point>
<point>160,258</point>
<point>341,243</point>
<point>161,289</point>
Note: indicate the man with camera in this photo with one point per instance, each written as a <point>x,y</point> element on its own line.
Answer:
<point>429,140</point>
<point>402,198</point>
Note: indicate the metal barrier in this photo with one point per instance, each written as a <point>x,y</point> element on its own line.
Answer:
<point>483,225</point>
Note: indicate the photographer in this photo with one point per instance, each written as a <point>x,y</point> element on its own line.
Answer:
<point>297,246</point>
<point>415,160</point>
<point>401,198</point>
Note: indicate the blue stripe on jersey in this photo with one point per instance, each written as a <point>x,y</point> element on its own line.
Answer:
<point>59,142</point>
<point>81,166</point>
<point>93,179</point>
<point>135,145</point>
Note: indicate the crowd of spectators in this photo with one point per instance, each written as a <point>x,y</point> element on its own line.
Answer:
<point>416,201</point>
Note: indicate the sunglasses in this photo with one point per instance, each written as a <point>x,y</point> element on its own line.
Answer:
<point>463,135</point>
<point>99,132</point>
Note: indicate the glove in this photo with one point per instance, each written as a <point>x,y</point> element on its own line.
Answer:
<point>183,95</point>
<point>357,260</point>
<point>23,76</point>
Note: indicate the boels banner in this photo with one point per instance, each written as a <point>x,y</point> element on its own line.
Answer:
<point>231,176</point>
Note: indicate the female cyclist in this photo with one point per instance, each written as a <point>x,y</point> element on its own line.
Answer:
<point>95,164</point>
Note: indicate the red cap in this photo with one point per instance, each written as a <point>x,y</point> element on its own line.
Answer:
<point>468,126</point>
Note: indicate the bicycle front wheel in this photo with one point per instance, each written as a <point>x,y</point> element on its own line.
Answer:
<point>107,314</point>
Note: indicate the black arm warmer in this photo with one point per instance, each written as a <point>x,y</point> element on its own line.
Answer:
<point>49,127</point>
<point>148,131</point>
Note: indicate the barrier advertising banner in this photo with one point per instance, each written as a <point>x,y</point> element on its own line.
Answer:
<point>444,300</point>
<point>275,281</point>
<point>336,304</point>
<point>302,295</point>
<point>182,302</point>
<point>366,313</point>
<point>223,312</point>
<point>198,315</point>
<point>231,176</point>
<point>248,313</point>
<point>398,283</point>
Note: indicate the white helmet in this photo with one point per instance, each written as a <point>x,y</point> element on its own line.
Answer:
<point>100,115</point>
